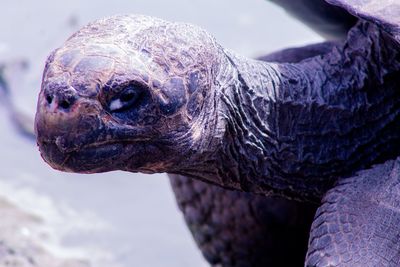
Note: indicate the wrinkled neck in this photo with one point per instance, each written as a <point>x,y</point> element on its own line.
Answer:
<point>294,129</point>
<point>257,151</point>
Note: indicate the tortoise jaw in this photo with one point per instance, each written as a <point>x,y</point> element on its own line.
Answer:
<point>105,149</point>
<point>91,159</point>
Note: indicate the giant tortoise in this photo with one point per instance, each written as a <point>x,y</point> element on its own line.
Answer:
<point>263,155</point>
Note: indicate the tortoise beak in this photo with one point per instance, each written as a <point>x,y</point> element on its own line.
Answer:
<point>64,126</point>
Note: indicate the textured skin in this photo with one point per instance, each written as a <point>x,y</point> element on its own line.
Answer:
<point>169,65</point>
<point>233,228</point>
<point>140,94</point>
<point>384,13</point>
<point>305,124</point>
<point>358,223</point>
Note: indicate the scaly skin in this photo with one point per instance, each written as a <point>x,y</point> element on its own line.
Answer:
<point>358,223</point>
<point>234,228</point>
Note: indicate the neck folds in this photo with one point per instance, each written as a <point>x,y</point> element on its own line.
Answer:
<point>294,129</point>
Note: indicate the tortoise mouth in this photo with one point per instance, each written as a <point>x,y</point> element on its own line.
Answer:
<point>89,159</point>
<point>134,155</point>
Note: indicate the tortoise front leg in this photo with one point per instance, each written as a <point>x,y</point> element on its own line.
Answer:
<point>234,228</point>
<point>359,221</point>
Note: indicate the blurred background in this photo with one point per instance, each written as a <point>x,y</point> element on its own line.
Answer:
<point>111,219</point>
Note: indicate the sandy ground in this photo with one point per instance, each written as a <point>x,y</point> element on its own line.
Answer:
<point>113,219</point>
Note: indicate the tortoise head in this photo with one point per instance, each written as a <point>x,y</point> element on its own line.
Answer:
<point>127,93</point>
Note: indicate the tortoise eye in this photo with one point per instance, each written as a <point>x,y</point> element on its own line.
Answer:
<point>126,99</point>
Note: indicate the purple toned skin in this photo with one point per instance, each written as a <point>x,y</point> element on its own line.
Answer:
<point>140,94</point>
<point>384,13</point>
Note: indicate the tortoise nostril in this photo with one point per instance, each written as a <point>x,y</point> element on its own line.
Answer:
<point>49,99</point>
<point>64,104</point>
<point>60,100</point>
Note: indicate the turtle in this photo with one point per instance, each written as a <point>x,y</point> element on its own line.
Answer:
<point>290,159</point>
